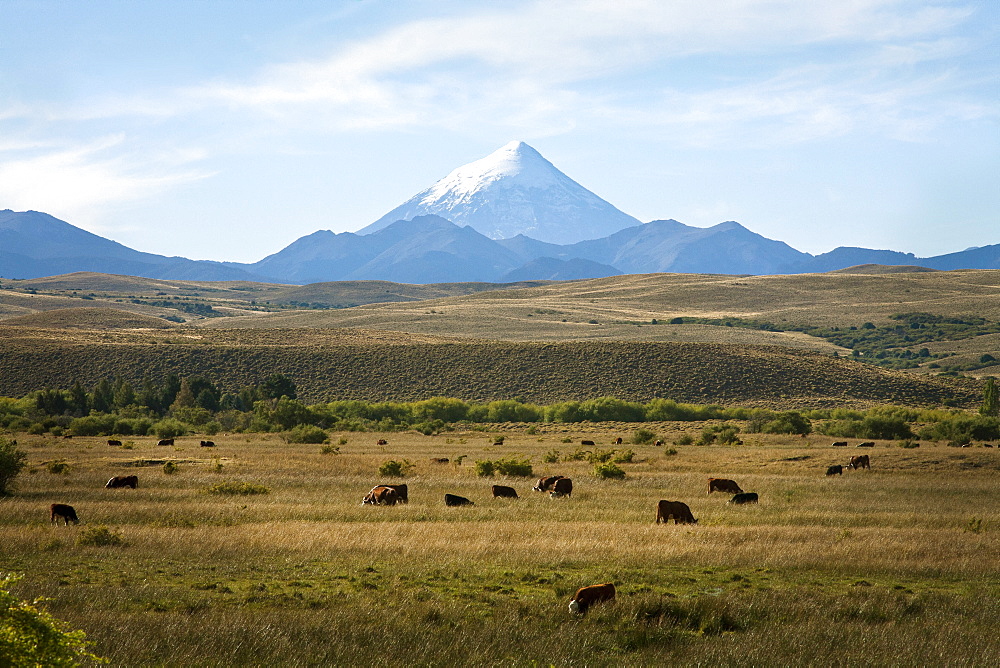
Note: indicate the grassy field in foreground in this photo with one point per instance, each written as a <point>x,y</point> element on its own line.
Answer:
<point>892,566</point>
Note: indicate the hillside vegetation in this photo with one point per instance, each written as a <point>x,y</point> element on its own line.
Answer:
<point>354,364</point>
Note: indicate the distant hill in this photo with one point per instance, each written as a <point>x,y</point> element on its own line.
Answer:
<point>88,318</point>
<point>550,268</point>
<point>34,244</point>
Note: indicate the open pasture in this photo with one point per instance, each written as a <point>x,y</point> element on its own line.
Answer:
<point>892,566</point>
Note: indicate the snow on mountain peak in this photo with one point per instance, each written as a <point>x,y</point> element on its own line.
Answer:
<point>512,191</point>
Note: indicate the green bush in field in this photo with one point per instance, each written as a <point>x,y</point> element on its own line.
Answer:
<point>684,439</point>
<point>514,467</point>
<point>306,433</point>
<point>100,536</point>
<point>642,437</point>
<point>609,470</point>
<point>33,637</point>
<point>171,468</point>
<point>395,469</point>
<point>234,487</point>
<point>788,422</point>
<point>551,457</point>
<point>12,462</point>
<point>58,466</point>
<point>169,428</point>
<point>485,468</point>
<point>330,450</point>
<point>724,434</point>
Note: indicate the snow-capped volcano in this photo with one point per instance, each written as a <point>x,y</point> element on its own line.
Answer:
<point>514,191</point>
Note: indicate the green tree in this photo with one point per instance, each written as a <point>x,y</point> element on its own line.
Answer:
<point>33,637</point>
<point>276,386</point>
<point>185,397</point>
<point>12,462</point>
<point>991,400</point>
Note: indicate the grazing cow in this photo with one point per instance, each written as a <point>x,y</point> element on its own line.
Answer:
<point>165,441</point>
<point>62,511</point>
<point>67,435</point>
<point>453,500</point>
<point>561,487</point>
<point>587,596</point>
<point>123,481</point>
<point>676,509</point>
<point>401,490</point>
<point>840,444</point>
<point>658,443</point>
<point>208,444</point>
<point>860,462</point>
<point>866,444</point>
<point>439,460</point>
<point>743,497</point>
<point>381,495</point>
<point>382,441</point>
<point>837,469</point>
<point>618,441</point>
<point>586,443</point>
<point>545,484</point>
<point>723,485</point>
<point>113,442</point>
<point>504,492</point>
<point>985,445</point>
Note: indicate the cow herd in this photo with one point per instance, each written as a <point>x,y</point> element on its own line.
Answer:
<point>856,462</point>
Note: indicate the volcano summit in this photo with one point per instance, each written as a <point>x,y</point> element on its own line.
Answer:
<point>512,191</point>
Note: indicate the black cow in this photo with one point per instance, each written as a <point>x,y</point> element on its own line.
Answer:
<point>836,469</point>
<point>64,512</point>
<point>561,487</point>
<point>208,444</point>
<point>123,481</point>
<point>504,492</point>
<point>743,497</point>
<point>454,500</point>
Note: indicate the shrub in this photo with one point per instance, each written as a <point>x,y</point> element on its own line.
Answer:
<point>395,469</point>
<point>684,439</point>
<point>551,457</point>
<point>169,428</point>
<point>514,467</point>
<point>33,637</point>
<point>725,434</point>
<point>12,462</point>
<point>58,466</point>
<point>233,487</point>
<point>99,536</point>
<point>330,450</point>
<point>430,428</point>
<point>790,422</point>
<point>485,468</point>
<point>642,436</point>
<point>170,468</point>
<point>608,470</point>
<point>670,451</point>
<point>306,433</point>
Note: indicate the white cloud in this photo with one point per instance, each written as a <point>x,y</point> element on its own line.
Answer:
<point>76,182</point>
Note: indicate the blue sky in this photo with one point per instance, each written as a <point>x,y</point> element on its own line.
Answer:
<point>227,129</point>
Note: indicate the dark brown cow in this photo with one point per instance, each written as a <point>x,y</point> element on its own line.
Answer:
<point>208,444</point>
<point>618,441</point>
<point>504,492</point>
<point>402,491</point>
<point>658,443</point>
<point>723,485</point>
<point>123,481</point>
<point>836,469</point>
<point>545,484</point>
<point>382,441</point>
<point>62,511</point>
<point>439,460</point>
<point>676,509</point>
<point>455,500</point>
<point>744,497</point>
<point>860,462</point>
<point>840,444</point>
<point>67,435</point>
<point>587,596</point>
<point>586,443</point>
<point>561,487</point>
<point>866,444</point>
<point>165,441</point>
<point>381,496</point>
<point>113,442</point>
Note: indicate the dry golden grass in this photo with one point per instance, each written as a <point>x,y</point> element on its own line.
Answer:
<point>309,576</point>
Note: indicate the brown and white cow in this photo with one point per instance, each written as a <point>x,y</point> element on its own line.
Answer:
<point>401,491</point>
<point>61,511</point>
<point>723,485</point>
<point>382,441</point>
<point>860,462</point>
<point>618,441</point>
<point>588,596</point>
<point>208,444</point>
<point>504,492</point>
<point>561,487</point>
<point>545,484</point>
<point>658,443</point>
<point>675,509</point>
<point>123,481</point>
<point>381,495</point>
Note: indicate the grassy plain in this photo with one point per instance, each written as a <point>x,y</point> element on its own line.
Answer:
<point>893,566</point>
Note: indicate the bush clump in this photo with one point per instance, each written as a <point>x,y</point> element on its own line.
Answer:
<point>100,536</point>
<point>234,487</point>
<point>306,433</point>
<point>510,466</point>
<point>642,437</point>
<point>171,468</point>
<point>723,434</point>
<point>330,450</point>
<point>395,469</point>
<point>485,468</point>
<point>609,470</point>
<point>12,462</point>
<point>58,466</point>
